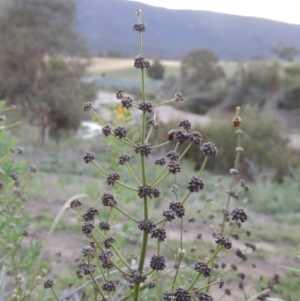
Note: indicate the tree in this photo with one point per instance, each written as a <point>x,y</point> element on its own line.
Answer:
<point>156,71</point>
<point>291,85</point>
<point>201,78</point>
<point>32,33</point>
<point>253,83</point>
<point>200,69</point>
<point>286,52</point>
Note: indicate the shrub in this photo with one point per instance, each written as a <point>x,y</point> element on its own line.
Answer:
<point>156,71</point>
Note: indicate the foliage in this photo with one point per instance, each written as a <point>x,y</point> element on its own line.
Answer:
<point>131,190</point>
<point>253,83</point>
<point>286,52</point>
<point>32,33</point>
<point>13,220</point>
<point>265,148</point>
<point>156,71</point>
<point>201,80</point>
<point>291,82</point>
<point>115,53</point>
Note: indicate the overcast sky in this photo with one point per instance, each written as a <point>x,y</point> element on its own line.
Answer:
<point>284,11</point>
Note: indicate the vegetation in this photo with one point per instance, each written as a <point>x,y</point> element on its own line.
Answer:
<point>153,180</point>
<point>32,74</point>
<point>156,71</point>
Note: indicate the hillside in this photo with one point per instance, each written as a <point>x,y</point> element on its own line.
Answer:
<point>106,24</point>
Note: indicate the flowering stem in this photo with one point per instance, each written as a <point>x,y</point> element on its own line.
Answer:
<point>143,167</point>
<point>236,162</point>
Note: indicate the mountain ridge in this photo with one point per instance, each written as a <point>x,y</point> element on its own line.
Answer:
<point>170,34</point>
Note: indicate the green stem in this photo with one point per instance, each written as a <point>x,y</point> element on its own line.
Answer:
<point>160,180</point>
<point>133,174</point>
<point>106,173</point>
<point>124,213</point>
<point>236,162</point>
<point>97,116</point>
<point>159,175</point>
<point>11,125</point>
<point>159,145</point>
<point>54,293</point>
<point>176,274</point>
<point>185,151</point>
<point>163,102</point>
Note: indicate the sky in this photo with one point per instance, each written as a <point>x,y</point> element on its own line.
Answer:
<point>280,10</point>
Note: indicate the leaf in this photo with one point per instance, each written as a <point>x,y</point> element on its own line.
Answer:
<point>293,270</point>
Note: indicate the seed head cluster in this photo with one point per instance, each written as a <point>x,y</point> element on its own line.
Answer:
<point>109,285</point>
<point>204,297</point>
<point>108,242</point>
<point>174,167</point>
<point>226,243</point>
<point>146,191</point>
<point>186,124</point>
<point>48,283</point>
<point>158,263</point>
<point>141,62</point>
<point>203,268</point>
<point>120,94</point>
<point>75,203</point>
<point>177,208</point>
<point>108,200</point>
<point>181,294</point>
<point>195,138</point>
<point>87,227</point>
<point>178,97</point>
<point>112,178</point>
<point>173,156</point>
<point>195,184</point>
<point>139,27</point>
<point>120,132</point>
<point>88,157</point>
<point>106,130</point>
<point>160,161</point>
<point>169,215</point>
<point>182,136</point>
<point>88,106</point>
<point>126,102</point>
<point>238,214</point>
<point>145,106</point>
<point>158,233</point>
<point>146,225</point>
<point>209,149</point>
<point>90,214</point>
<point>143,149</point>
<point>124,158</point>
<point>104,226</point>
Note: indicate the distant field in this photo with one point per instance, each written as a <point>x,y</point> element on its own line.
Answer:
<point>123,68</point>
<point>100,65</point>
